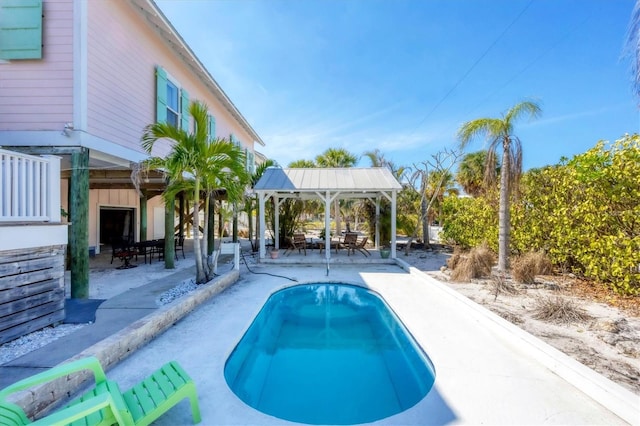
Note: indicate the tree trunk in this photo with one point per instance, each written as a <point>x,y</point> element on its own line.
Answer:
<point>169,228</point>
<point>197,250</point>
<point>503,216</point>
<point>258,230</point>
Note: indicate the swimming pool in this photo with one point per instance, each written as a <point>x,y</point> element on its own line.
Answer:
<point>328,353</point>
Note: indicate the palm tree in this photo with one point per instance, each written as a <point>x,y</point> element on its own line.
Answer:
<point>301,164</point>
<point>198,164</point>
<point>336,157</point>
<point>499,132</point>
<point>475,174</point>
<point>439,183</point>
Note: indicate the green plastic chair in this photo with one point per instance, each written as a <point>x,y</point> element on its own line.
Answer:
<point>105,404</point>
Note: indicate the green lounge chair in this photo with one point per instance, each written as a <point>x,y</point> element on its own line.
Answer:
<point>105,404</point>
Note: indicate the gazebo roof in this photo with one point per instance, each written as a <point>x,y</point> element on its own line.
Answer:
<point>314,180</point>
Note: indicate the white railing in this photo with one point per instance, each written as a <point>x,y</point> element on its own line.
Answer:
<point>29,187</point>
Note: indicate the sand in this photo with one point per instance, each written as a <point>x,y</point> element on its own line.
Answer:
<point>608,341</point>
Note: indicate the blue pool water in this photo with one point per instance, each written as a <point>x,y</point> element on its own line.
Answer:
<point>328,354</point>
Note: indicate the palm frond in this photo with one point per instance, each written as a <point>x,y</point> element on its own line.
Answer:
<point>481,127</point>
<point>530,108</point>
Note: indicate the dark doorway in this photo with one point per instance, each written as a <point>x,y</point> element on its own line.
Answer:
<point>117,224</point>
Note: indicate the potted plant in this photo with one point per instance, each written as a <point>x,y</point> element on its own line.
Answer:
<point>385,251</point>
<point>273,253</point>
<point>323,232</point>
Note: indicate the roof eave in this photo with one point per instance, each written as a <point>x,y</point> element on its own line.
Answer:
<point>163,27</point>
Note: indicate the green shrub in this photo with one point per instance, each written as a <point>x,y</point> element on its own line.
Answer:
<point>468,222</point>
<point>582,212</point>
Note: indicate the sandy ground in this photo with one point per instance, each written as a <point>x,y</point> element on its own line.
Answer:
<point>608,342</point>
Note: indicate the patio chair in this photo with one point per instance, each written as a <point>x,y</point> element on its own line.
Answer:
<point>359,245</point>
<point>179,245</point>
<point>350,239</point>
<point>105,404</point>
<point>120,249</point>
<point>298,242</point>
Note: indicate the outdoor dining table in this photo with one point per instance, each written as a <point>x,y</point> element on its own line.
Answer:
<point>334,244</point>
<point>149,247</point>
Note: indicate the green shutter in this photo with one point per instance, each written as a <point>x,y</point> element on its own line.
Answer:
<point>161,95</point>
<point>184,110</point>
<point>212,127</point>
<point>20,29</point>
<point>249,161</point>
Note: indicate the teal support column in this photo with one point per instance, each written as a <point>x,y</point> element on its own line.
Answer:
<point>169,240</point>
<point>143,216</point>
<point>79,228</point>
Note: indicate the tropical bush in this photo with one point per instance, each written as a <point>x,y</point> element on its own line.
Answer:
<point>584,213</point>
<point>468,222</point>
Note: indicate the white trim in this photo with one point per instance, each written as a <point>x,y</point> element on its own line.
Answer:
<point>77,138</point>
<point>29,236</point>
<point>80,65</point>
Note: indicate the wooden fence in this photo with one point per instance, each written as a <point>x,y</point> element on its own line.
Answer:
<point>31,290</point>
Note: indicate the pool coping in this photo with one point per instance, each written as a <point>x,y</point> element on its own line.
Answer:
<point>617,399</point>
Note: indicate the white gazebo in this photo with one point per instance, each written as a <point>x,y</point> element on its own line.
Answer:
<point>327,184</point>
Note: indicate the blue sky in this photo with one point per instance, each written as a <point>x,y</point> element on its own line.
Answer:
<point>403,75</point>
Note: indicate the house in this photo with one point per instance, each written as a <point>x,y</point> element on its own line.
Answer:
<point>79,80</point>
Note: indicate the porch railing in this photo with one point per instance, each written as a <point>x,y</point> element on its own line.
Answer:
<point>29,187</point>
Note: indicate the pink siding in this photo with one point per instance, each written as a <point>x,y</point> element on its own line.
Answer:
<point>122,55</point>
<point>122,52</point>
<point>38,94</point>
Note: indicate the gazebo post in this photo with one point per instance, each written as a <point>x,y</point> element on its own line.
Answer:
<point>393,224</point>
<point>276,221</point>
<point>262,249</point>
<point>377,236</point>
<point>327,225</point>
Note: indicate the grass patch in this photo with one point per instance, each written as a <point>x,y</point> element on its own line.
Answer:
<point>526,267</point>
<point>475,264</point>
<point>559,310</point>
<point>499,284</point>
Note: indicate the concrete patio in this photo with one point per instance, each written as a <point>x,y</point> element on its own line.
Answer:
<point>488,371</point>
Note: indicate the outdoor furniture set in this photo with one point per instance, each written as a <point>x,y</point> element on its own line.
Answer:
<point>126,251</point>
<point>350,242</point>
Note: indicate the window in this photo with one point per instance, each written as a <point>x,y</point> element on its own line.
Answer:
<point>172,101</point>
<point>251,161</point>
<point>173,104</point>
<point>211,131</point>
<point>21,29</point>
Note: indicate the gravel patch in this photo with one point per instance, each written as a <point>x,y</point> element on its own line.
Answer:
<point>33,341</point>
<point>182,289</point>
<point>30,342</point>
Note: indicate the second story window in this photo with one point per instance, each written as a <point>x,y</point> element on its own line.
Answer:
<point>172,101</point>
<point>173,104</point>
